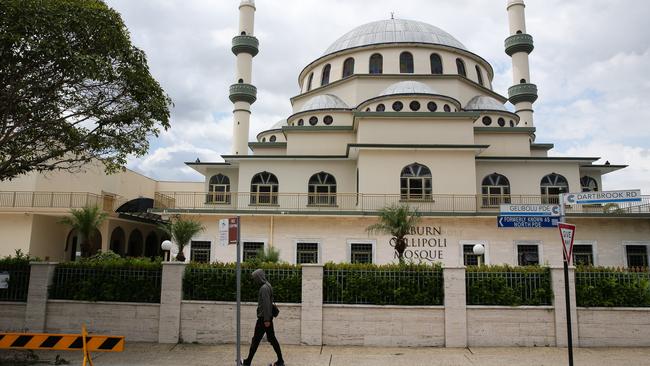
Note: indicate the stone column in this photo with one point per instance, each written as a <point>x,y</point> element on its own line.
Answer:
<point>559,302</point>
<point>40,279</point>
<point>311,323</point>
<point>171,295</point>
<point>455,307</point>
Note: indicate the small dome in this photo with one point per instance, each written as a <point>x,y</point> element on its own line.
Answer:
<point>407,87</point>
<point>483,103</point>
<point>325,101</point>
<point>393,31</point>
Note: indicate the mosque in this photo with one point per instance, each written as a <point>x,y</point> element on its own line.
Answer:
<point>394,111</point>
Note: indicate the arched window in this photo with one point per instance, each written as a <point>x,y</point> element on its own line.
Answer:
<point>309,79</point>
<point>322,189</point>
<point>436,63</point>
<point>264,189</point>
<point>219,189</point>
<point>495,189</point>
<point>325,77</point>
<point>406,63</point>
<point>460,65</point>
<point>118,241</point>
<point>551,186</point>
<point>479,75</point>
<point>376,65</point>
<point>348,67</point>
<point>588,184</point>
<point>415,182</point>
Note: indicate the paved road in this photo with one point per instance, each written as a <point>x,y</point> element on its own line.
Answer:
<point>147,354</point>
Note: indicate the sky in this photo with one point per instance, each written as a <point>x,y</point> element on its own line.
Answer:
<point>591,64</point>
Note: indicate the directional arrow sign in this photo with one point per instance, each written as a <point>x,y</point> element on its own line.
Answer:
<point>567,232</point>
<point>602,197</point>
<point>530,210</point>
<point>531,222</point>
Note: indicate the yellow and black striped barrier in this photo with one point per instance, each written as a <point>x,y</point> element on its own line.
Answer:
<point>63,342</point>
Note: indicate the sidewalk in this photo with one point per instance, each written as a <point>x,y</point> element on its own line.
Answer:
<point>150,354</point>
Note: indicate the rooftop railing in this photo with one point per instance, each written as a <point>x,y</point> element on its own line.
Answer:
<point>351,203</point>
<point>36,199</point>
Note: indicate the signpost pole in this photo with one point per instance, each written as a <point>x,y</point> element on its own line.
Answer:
<point>566,289</point>
<point>238,270</point>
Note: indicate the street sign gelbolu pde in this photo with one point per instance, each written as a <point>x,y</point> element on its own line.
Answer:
<point>527,221</point>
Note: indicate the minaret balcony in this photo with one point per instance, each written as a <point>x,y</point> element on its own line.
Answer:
<point>525,92</point>
<point>242,92</point>
<point>519,43</point>
<point>245,44</point>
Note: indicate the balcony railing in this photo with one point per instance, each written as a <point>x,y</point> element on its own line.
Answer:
<point>351,203</point>
<point>46,200</point>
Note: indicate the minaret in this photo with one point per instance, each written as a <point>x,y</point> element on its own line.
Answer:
<point>519,45</point>
<point>243,93</point>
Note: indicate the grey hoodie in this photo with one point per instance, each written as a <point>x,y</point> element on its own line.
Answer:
<point>264,297</point>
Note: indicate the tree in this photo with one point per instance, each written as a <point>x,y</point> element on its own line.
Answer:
<point>72,88</point>
<point>86,222</point>
<point>181,231</point>
<point>396,220</point>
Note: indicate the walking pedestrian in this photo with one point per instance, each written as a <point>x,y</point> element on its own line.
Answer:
<point>265,314</point>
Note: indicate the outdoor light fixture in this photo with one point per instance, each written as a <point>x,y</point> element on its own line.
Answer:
<point>479,250</point>
<point>166,246</point>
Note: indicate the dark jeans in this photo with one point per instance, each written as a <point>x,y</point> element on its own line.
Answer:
<point>257,337</point>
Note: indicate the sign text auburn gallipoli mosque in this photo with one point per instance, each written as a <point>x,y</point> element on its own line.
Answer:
<point>400,111</point>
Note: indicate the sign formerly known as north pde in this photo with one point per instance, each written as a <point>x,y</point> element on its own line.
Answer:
<point>530,210</point>
<point>527,221</point>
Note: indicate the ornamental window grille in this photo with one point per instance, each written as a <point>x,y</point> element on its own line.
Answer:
<point>251,249</point>
<point>322,189</point>
<point>436,63</point>
<point>495,190</point>
<point>471,259</point>
<point>325,77</point>
<point>264,189</point>
<point>460,65</point>
<point>588,184</point>
<point>306,253</point>
<point>360,253</point>
<point>527,255</point>
<point>376,64</point>
<point>200,251</point>
<point>583,254</point>
<point>415,183</point>
<point>637,255</point>
<point>406,63</point>
<point>348,67</point>
<point>219,189</point>
<point>551,186</point>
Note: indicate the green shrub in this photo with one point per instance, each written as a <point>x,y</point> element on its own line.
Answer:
<point>508,286</point>
<point>608,287</point>
<point>391,284</point>
<point>108,277</point>
<point>217,282</point>
<point>17,267</point>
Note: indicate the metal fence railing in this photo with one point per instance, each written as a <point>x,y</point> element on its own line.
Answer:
<point>18,282</point>
<point>511,288</point>
<point>383,287</point>
<point>106,284</point>
<point>37,199</point>
<point>609,287</point>
<point>217,282</point>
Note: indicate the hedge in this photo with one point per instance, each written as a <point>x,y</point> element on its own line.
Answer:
<point>508,286</point>
<point>217,282</point>
<point>608,287</point>
<point>108,277</point>
<point>391,284</point>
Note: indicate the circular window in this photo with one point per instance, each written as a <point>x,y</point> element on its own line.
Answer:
<point>313,120</point>
<point>397,106</point>
<point>381,107</point>
<point>501,122</point>
<point>368,109</point>
<point>512,123</point>
<point>301,122</point>
<point>272,138</point>
<point>328,120</point>
<point>263,139</point>
<point>447,108</point>
<point>487,120</point>
<point>414,105</point>
<point>432,106</point>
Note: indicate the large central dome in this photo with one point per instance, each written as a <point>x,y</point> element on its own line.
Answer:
<point>393,31</point>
